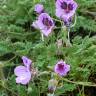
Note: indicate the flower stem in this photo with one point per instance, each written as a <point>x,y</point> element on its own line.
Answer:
<point>68,33</point>
<point>2,77</point>
<point>74,21</point>
<point>90,84</point>
<point>42,36</point>
<point>50,94</point>
<point>68,36</point>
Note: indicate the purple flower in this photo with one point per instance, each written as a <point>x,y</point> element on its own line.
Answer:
<point>39,8</point>
<point>62,68</point>
<point>44,23</point>
<point>65,9</point>
<point>23,73</point>
<point>27,62</point>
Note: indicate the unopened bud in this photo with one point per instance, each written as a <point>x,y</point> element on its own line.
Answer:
<point>52,85</point>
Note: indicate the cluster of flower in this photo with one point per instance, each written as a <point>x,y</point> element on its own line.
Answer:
<point>24,73</point>
<point>65,9</point>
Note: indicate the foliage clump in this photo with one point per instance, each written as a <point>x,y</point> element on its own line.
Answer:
<point>18,38</point>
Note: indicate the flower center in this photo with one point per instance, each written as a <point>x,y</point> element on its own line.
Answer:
<point>47,22</point>
<point>67,7</point>
<point>60,67</point>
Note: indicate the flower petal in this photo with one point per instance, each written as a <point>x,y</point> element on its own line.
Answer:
<point>46,32</point>
<point>27,62</point>
<point>39,8</point>
<point>19,70</point>
<point>24,78</point>
<point>27,79</point>
<point>18,80</point>
<point>59,13</point>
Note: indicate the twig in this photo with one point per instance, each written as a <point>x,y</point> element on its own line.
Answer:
<point>42,36</point>
<point>80,83</point>
<point>74,21</point>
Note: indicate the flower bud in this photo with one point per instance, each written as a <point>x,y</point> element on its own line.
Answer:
<point>52,85</point>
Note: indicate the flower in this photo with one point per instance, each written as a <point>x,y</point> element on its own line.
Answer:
<point>23,73</point>
<point>27,62</point>
<point>44,23</point>
<point>62,68</point>
<point>65,9</point>
<point>39,8</point>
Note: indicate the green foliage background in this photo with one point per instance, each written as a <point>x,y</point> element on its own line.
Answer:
<point>18,38</point>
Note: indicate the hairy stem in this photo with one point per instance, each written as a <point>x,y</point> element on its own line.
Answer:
<point>42,36</point>
<point>68,33</point>
<point>80,83</point>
